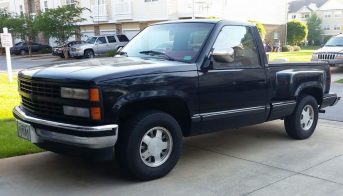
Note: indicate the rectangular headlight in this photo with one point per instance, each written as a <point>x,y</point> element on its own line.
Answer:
<point>76,111</point>
<point>74,93</point>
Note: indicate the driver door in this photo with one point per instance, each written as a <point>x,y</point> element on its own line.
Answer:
<point>233,92</point>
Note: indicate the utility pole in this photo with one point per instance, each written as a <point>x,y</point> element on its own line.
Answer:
<point>193,15</point>
<point>286,10</point>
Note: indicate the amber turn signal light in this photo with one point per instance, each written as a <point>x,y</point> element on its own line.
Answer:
<point>94,94</point>
<point>95,113</point>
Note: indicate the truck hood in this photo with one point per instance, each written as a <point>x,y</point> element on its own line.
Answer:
<point>102,69</point>
<point>84,45</point>
<point>333,49</point>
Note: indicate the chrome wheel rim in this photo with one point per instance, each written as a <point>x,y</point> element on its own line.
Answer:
<point>156,146</point>
<point>307,117</point>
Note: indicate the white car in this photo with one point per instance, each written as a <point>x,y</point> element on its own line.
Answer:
<point>331,52</point>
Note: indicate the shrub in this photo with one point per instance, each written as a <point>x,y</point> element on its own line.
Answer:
<point>287,48</point>
<point>296,48</point>
<point>111,53</point>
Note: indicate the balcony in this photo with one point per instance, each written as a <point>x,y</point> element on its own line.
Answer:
<point>123,10</point>
<point>99,13</point>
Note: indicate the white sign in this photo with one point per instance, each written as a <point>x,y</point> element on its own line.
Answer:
<point>6,40</point>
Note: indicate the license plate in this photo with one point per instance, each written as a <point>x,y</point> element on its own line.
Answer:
<point>24,130</point>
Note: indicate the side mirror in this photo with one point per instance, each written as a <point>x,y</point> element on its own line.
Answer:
<point>119,49</point>
<point>224,56</point>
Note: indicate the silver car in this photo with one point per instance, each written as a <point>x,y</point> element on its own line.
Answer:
<point>331,52</point>
<point>98,45</point>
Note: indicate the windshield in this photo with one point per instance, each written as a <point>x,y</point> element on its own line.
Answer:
<point>91,40</point>
<point>177,41</point>
<point>335,41</point>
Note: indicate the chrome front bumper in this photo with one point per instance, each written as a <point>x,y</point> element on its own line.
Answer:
<point>46,130</point>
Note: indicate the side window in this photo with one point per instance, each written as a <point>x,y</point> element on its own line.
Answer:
<point>101,40</point>
<point>240,41</point>
<point>122,38</point>
<point>111,39</point>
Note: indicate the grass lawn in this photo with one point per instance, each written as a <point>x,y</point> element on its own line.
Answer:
<point>10,144</point>
<point>300,56</point>
<point>340,81</point>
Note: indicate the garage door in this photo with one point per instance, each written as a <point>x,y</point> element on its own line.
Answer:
<point>130,33</point>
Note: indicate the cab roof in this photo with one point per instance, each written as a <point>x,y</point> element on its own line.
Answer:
<point>214,21</point>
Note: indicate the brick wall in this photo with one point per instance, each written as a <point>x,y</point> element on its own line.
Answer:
<point>273,30</point>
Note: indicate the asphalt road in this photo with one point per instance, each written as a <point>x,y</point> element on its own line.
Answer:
<point>20,62</point>
<point>335,112</point>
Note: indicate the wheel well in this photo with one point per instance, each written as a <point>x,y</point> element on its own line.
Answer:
<point>88,49</point>
<point>315,92</point>
<point>173,106</point>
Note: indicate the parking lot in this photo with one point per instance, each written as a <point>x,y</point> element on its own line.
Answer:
<point>257,160</point>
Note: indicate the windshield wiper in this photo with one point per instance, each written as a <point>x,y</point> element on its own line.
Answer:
<point>153,53</point>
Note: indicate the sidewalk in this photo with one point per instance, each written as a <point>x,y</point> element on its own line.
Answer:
<point>257,160</point>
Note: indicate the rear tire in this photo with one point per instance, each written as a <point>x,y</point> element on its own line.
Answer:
<point>302,123</point>
<point>22,52</point>
<point>149,145</point>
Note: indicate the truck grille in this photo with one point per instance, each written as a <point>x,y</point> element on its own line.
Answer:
<point>36,88</point>
<point>41,107</point>
<point>44,90</point>
<point>327,56</point>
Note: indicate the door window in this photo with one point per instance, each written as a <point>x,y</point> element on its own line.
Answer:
<point>240,39</point>
<point>101,40</point>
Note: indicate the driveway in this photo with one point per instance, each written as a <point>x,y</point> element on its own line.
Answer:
<point>257,160</point>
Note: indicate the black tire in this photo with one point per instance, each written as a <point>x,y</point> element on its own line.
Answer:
<point>294,128</point>
<point>22,52</point>
<point>89,54</point>
<point>129,146</point>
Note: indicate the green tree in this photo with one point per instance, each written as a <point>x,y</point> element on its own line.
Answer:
<point>24,27</point>
<point>314,30</point>
<point>4,16</point>
<point>296,32</point>
<point>60,23</point>
<point>260,28</point>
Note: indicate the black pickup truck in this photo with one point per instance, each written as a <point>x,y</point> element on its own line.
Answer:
<point>173,80</point>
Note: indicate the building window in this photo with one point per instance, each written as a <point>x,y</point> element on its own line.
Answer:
<point>338,14</point>
<point>276,35</point>
<point>21,10</point>
<point>327,27</point>
<point>294,16</point>
<point>70,3</point>
<point>100,2</point>
<point>46,6</point>
<point>327,15</point>
<point>337,28</point>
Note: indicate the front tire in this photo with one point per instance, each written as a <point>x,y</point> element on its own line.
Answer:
<point>149,145</point>
<point>89,54</point>
<point>302,123</point>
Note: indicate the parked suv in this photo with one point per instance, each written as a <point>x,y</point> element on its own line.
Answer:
<point>332,52</point>
<point>98,45</point>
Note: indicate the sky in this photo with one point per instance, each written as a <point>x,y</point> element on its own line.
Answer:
<point>264,11</point>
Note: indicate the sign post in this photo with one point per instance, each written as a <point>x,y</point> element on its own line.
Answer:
<point>6,41</point>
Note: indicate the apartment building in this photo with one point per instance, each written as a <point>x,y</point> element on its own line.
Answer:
<point>330,11</point>
<point>131,16</point>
